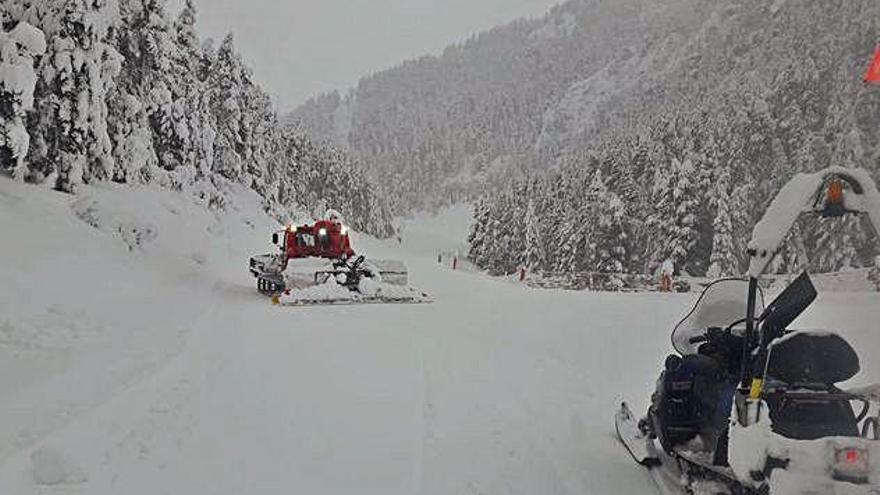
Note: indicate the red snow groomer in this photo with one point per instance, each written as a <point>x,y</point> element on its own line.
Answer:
<point>317,265</point>
<point>324,239</point>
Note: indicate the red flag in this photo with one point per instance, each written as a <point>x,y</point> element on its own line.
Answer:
<point>873,75</point>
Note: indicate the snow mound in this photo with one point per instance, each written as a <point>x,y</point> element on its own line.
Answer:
<point>51,468</point>
<point>748,448</point>
<point>134,232</point>
<point>369,291</point>
<point>329,291</point>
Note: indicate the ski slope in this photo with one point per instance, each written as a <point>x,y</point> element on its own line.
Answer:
<point>136,358</point>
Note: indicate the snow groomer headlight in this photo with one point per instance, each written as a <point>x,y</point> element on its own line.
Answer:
<point>850,464</point>
<point>322,232</point>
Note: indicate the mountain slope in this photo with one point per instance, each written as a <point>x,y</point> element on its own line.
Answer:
<point>483,104</point>
<point>721,102</point>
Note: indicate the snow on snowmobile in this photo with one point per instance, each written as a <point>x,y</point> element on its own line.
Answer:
<point>749,406</point>
<point>317,265</point>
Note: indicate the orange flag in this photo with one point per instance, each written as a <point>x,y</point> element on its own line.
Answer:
<point>873,75</point>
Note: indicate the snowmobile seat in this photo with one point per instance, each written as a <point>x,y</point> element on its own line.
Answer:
<point>812,357</point>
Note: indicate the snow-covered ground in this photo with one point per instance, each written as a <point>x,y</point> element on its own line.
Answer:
<point>136,358</point>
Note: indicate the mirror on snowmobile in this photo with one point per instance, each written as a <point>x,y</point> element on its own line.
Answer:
<point>796,298</point>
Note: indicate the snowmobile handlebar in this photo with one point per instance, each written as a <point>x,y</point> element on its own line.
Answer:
<point>715,333</point>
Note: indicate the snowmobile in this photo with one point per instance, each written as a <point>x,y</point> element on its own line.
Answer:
<point>748,405</point>
<point>315,264</point>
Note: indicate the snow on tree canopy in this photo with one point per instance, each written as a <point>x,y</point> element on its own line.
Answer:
<point>29,37</point>
<point>18,48</point>
<point>798,196</point>
<point>125,92</point>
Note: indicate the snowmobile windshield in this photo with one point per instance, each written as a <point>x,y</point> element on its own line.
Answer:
<point>721,304</point>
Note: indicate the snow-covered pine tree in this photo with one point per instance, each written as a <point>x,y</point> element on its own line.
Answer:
<point>79,70</point>
<point>226,80</point>
<point>150,48</point>
<point>682,237</point>
<point>660,216</point>
<point>69,126</point>
<point>477,234</point>
<point>610,234</point>
<point>723,261</point>
<point>794,257</point>
<point>193,129</point>
<point>535,256</point>
<point>835,245</point>
<point>18,47</point>
<point>157,112</point>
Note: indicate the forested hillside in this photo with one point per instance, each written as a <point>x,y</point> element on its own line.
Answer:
<point>612,135</point>
<point>119,90</point>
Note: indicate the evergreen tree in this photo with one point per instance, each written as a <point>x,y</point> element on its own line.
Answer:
<point>611,238</point>
<point>124,93</point>
<point>723,261</point>
<point>69,128</point>
<point>18,48</point>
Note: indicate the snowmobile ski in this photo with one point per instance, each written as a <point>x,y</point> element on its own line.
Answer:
<point>639,445</point>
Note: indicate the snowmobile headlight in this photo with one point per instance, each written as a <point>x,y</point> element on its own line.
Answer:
<point>851,464</point>
<point>291,228</point>
<point>322,232</point>
<point>344,230</point>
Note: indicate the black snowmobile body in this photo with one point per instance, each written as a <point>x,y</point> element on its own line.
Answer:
<point>690,409</point>
<point>801,433</point>
<point>695,391</point>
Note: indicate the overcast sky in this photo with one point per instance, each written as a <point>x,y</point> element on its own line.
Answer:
<point>299,48</point>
